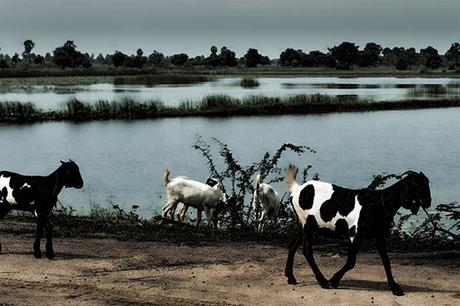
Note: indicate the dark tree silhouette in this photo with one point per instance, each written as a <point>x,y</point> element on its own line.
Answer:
<point>290,57</point>
<point>346,54</point>
<point>119,59</point>
<point>431,56</point>
<point>370,56</point>
<point>68,56</point>
<point>179,59</point>
<point>38,59</point>
<point>252,58</point>
<point>157,58</point>
<point>139,60</point>
<point>28,46</point>
<point>453,54</point>
<point>227,57</point>
<point>213,59</point>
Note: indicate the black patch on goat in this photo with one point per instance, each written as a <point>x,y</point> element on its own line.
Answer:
<point>352,232</point>
<point>211,182</point>
<point>341,201</point>
<point>306,197</point>
<point>4,194</point>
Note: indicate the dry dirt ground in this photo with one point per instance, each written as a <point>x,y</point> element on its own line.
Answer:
<point>107,271</point>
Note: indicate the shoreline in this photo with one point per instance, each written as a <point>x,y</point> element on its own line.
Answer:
<point>211,106</point>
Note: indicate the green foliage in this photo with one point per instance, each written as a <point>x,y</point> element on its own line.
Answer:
<point>237,180</point>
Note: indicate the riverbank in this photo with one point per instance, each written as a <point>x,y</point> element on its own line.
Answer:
<point>380,71</point>
<point>102,270</point>
<point>210,106</point>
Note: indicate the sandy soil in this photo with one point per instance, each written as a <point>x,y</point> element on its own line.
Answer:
<point>106,271</point>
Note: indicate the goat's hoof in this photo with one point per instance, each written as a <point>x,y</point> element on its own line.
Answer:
<point>325,285</point>
<point>334,283</point>
<point>397,290</point>
<point>50,254</point>
<point>38,254</point>
<point>292,281</point>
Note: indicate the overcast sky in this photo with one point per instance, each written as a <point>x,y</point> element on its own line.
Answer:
<point>192,26</point>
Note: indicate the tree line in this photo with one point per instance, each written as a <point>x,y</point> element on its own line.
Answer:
<point>343,56</point>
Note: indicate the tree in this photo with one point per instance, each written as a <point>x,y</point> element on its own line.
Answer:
<point>346,55</point>
<point>252,58</point>
<point>119,59</point>
<point>157,58</point>
<point>431,56</point>
<point>290,57</point>
<point>227,57</point>
<point>139,60</point>
<point>453,54</point>
<point>213,59</point>
<point>68,56</point>
<point>370,56</point>
<point>15,59</point>
<point>28,46</point>
<point>179,59</point>
<point>39,59</point>
<point>3,64</point>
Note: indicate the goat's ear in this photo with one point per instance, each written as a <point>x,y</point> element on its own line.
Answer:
<point>62,162</point>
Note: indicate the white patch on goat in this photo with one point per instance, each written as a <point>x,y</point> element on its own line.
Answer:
<point>25,186</point>
<point>5,183</point>
<point>353,217</point>
<point>323,192</point>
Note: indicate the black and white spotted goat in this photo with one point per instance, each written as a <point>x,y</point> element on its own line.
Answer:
<point>38,194</point>
<point>358,214</point>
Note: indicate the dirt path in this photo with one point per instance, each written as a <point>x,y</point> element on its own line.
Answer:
<point>106,271</point>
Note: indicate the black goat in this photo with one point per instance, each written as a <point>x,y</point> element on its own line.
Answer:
<point>38,194</point>
<point>359,214</point>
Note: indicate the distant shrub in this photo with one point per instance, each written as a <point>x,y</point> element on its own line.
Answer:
<point>249,83</point>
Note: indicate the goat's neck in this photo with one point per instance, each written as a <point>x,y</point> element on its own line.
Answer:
<point>55,181</point>
<point>394,197</point>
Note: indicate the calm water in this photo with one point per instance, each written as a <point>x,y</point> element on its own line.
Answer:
<point>378,89</point>
<point>124,161</point>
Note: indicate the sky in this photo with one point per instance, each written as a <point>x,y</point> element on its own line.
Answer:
<point>192,26</point>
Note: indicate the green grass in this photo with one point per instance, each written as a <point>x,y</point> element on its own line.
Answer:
<point>210,106</point>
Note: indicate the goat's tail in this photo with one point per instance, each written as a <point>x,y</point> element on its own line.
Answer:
<point>166,176</point>
<point>290,178</point>
<point>257,183</point>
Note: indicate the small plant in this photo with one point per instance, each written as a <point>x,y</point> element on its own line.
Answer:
<point>237,180</point>
<point>249,83</point>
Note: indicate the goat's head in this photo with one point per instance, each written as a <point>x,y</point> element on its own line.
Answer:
<point>70,174</point>
<point>212,182</point>
<point>417,191</point>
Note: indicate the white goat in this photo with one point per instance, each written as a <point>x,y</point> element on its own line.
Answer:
<point>195,194</point>
<point>268,198</point>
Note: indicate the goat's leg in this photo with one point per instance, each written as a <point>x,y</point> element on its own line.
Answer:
<point>293,246</point>
<point>38,237</point>
<point>382,247</point>
<point>198,216</point>
<point>170,205</point>
<point>308,253</point>
<point>351,260</point>
<point>208,216</point>
<point>261,222</point>
<point>49,239</point>
<point>213,215</point>
<point>182,212</point>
